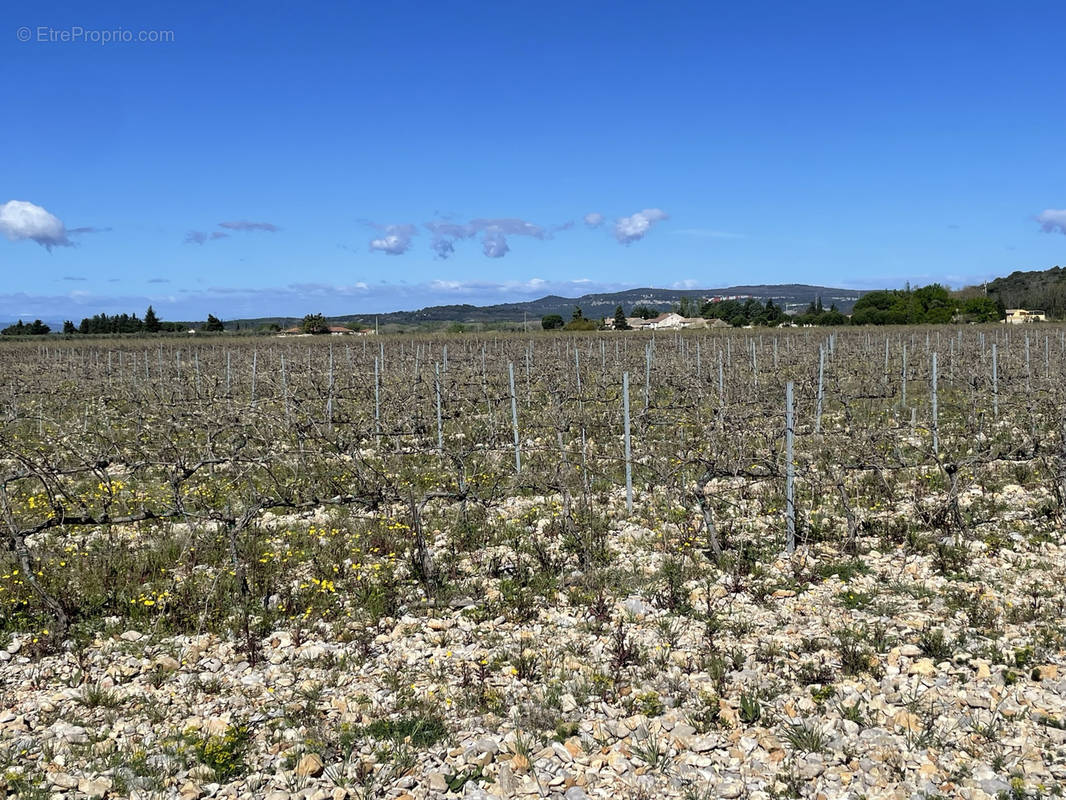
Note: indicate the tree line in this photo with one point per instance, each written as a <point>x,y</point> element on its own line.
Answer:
<point>1043,290</point>
<point>932,304</point>
<point>130,323</point>
<point>35,328</point>
<point>112,324</point>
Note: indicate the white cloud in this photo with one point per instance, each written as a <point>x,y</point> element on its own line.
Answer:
<point>444,248</point>
<point>494,245</point>
<point>20,220</point>
<point>594,219</point>
<point>1052,220</point>
<point>494,233</point>
<point>445,235</point>
<point>636,226</point>
<point>396,239</point>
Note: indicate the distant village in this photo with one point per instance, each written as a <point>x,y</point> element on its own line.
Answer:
<point>668,321</point>
<point>332,330</point>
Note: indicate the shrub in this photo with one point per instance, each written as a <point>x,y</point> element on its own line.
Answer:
<point>805,737</point>
<point>750,708</point>
<point>225,753</point>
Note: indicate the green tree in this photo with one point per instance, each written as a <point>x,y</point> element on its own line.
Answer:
<point>980,309</point>
<point>151,321</point>
<point>774,314</point>
<point>620,323</point>
<point>551,322</point>
<point>932,304</point>
<point>723,309</point>
<point>213,324</point>
<point>644,312</point>
<point>68,327</point>
<point>315,323</point>
<point>577,314</point>
<point>35,328</point>
<point>582,324</point>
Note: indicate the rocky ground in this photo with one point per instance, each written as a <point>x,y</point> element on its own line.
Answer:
<point>914,668</point>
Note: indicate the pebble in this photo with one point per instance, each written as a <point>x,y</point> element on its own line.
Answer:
<point>412,662</point>
<point>309,765</point>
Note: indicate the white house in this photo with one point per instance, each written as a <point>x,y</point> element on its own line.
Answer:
<point>667,321</point>
<point>673,321</point>
<point>1018,316</point>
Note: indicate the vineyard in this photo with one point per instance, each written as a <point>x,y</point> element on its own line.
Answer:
<point>784,563</point>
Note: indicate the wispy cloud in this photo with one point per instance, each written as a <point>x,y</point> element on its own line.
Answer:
<point>494,233</point>
<point>21,221</point>
<point>159,280</point>
<point>1052,220</point>
<point>444,236</point>
<point>199,237</point>
<point>513,291</point>
<point>73,278</point>
<point>245,225</point>
<point>508,226</point>
<point>636,226</point>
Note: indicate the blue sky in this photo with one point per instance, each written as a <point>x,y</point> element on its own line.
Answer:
<point>276,158</point>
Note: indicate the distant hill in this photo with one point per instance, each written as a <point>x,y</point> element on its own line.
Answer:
<point>793,296</point>
<point>1043,290</point>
